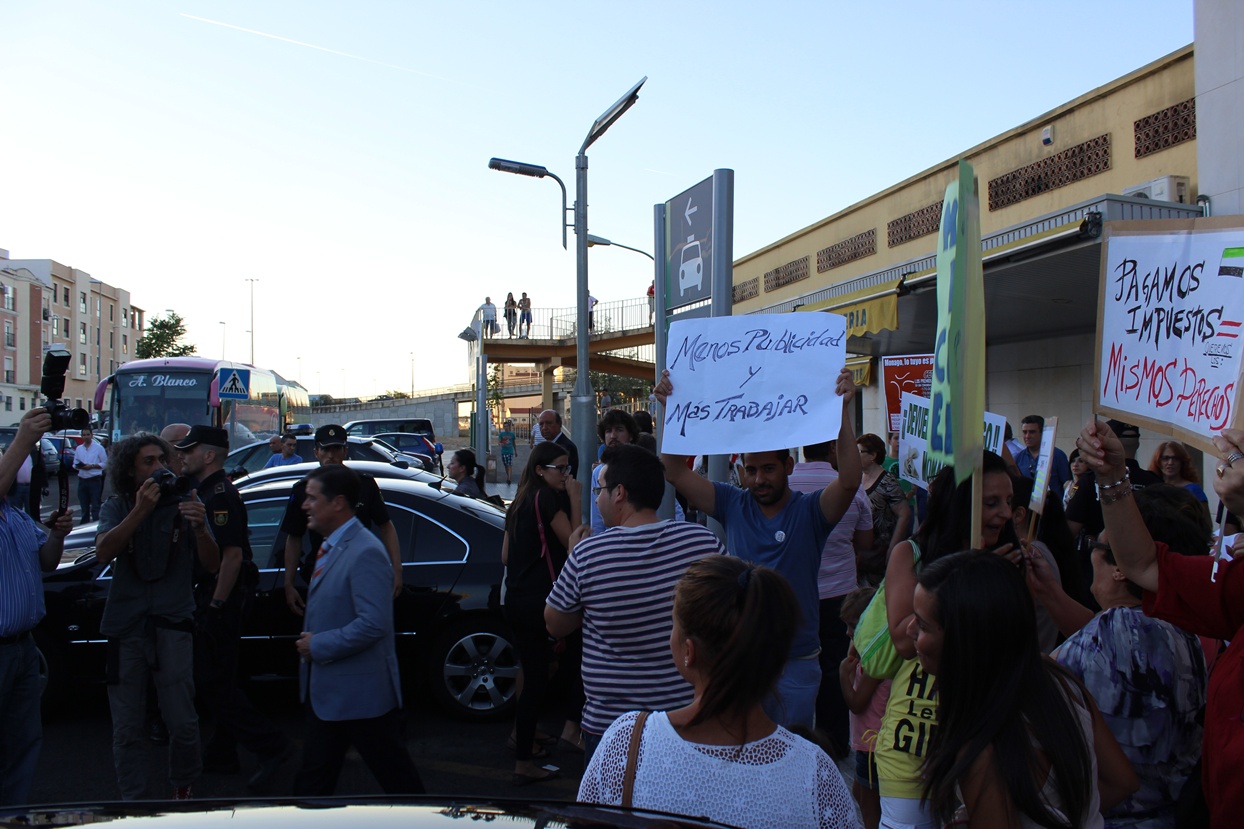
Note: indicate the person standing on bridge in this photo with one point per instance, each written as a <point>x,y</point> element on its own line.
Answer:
<point>511,314</point>
<point>524,317</point>
<point>488,318</point>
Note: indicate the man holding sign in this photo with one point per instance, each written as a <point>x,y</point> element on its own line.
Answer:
<point>769,524</point>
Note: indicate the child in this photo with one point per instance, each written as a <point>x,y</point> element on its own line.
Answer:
<point>866,698</point>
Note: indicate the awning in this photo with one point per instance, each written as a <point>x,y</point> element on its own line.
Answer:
<point>861,370</point>
<point>868,310</point>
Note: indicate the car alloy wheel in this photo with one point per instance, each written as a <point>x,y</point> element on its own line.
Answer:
<point>476,669</point>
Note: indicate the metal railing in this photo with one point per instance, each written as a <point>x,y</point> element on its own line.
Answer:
<point>560,323</point>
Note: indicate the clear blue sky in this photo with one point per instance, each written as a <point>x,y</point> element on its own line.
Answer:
<point>338,151</point>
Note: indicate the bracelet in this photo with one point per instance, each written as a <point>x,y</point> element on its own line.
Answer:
<point>1114,497</point>
<point>1127,476</point>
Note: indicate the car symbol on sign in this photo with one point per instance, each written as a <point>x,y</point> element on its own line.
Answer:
<point>691,269</point>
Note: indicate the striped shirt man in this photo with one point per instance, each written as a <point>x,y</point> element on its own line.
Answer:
<point>623,583</point>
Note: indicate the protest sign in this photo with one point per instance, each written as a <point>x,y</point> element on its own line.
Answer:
<point>1045,459</point>
<point>753,383</point>
<point>958,392</point>
<point>1170,309</point>
<point>915,463</point>
<point>912,373</point>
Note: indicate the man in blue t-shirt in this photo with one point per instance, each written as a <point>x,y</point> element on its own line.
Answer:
<point>768,523</point>
<point>288,455</point>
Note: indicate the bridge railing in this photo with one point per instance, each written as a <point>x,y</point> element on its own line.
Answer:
<point>560,323</point>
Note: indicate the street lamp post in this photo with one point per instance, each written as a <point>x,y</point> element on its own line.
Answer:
<point>583,400</point>
<point>224,330</point>
<point>252,282</point>
<point>594,241</point>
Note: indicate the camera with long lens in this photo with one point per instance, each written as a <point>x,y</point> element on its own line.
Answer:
<point>55,364</point>
<point>171,484</point>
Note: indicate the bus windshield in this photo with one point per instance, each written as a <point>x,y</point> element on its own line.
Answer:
<point>150,400</point>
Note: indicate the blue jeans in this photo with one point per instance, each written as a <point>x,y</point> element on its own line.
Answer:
<point>793,701</point>
<point>21,731</point>
<point>89,491</point>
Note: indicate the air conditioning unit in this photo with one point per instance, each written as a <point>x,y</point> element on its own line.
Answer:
<point>1167,188</point>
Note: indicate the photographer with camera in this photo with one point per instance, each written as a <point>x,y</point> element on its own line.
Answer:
<point>222,599</point>
<point>25,550</point>
<point>152,535</point>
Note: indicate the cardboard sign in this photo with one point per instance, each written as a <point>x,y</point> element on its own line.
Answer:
<point>910,374</point>
<point>915,462</point>
<point>753,383</point>
<point>1045,459</point>
<point>958,393</point>
<point>1170,314</point>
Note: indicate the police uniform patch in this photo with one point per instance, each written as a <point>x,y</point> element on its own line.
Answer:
<point>221,517</point>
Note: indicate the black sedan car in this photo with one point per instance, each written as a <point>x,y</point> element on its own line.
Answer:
<point>451,637</point>
<point>252,457</point>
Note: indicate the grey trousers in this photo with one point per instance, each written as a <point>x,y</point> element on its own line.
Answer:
<point>167,656</point>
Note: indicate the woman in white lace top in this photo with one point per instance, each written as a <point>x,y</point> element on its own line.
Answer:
<point>721,757</point>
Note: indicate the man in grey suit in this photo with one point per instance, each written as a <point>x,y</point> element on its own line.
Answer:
<point>349,677</point>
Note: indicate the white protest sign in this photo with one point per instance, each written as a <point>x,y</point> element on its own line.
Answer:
<point>1045,459</point>
<point>1169,324</point>
<point>915,464</point>
<point>753,383</point>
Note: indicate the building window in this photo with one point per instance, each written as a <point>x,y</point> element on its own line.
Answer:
<point>9,293</point>
<point>82,333</point>
<point>66,300</point>
<point>10,341</point>
<point>112,340</point>
<point>112,366</point>
<point>55,326</point>
<point>81,364</point>
<point>125,344</point>
<point>21,403</point>
<point>112,311</point>
<point>81,302</point>
<point>8,402</point>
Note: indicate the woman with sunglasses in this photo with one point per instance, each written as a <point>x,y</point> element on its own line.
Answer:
<point>545,510</point>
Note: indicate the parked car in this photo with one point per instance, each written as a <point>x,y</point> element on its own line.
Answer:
<point>252,457</point>
<point>451,634</point>
<point>379,426</point>
<point>47,448</point>
<point>410,443</point>
<point>413,812</point>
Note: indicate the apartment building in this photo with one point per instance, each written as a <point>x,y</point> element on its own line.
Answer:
<point>43,302</point>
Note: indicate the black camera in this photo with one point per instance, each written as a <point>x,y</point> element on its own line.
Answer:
<point>172,485</point>
<point>55,364</point>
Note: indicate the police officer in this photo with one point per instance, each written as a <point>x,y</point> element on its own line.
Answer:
<point>330,448</point>
<point>222,599</point>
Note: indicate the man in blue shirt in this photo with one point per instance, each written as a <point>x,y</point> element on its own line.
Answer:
<point>25,550</point>
<point>768,523</point>
<point>1030,429</point>
<point>288,455</point>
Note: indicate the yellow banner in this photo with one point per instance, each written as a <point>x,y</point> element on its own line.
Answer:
<point>867,311</point>
<point>861,370</point>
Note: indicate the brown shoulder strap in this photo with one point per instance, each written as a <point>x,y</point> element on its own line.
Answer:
<point>632,759</point>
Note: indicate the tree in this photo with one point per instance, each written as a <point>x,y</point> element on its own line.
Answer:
<point>163,338</point>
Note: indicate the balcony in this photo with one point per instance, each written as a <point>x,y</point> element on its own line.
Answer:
<point>10,340</point>
<point>10,376</point>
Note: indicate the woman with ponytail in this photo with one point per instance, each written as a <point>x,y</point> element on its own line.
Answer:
<point>467,473</point>
<point>722,756</point>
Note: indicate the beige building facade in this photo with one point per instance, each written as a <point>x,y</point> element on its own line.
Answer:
<point>1127,150</point>
<point>46,303</point>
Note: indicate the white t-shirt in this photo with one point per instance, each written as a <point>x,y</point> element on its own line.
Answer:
<point>777,782</point>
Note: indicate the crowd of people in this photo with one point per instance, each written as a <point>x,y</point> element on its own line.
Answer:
<point>1076,669</point>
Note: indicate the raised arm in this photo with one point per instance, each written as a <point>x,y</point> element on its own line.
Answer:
<point>900,592</point>
<point>1133,547</point>
<point>836,497</point>
<point>699,492</point>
